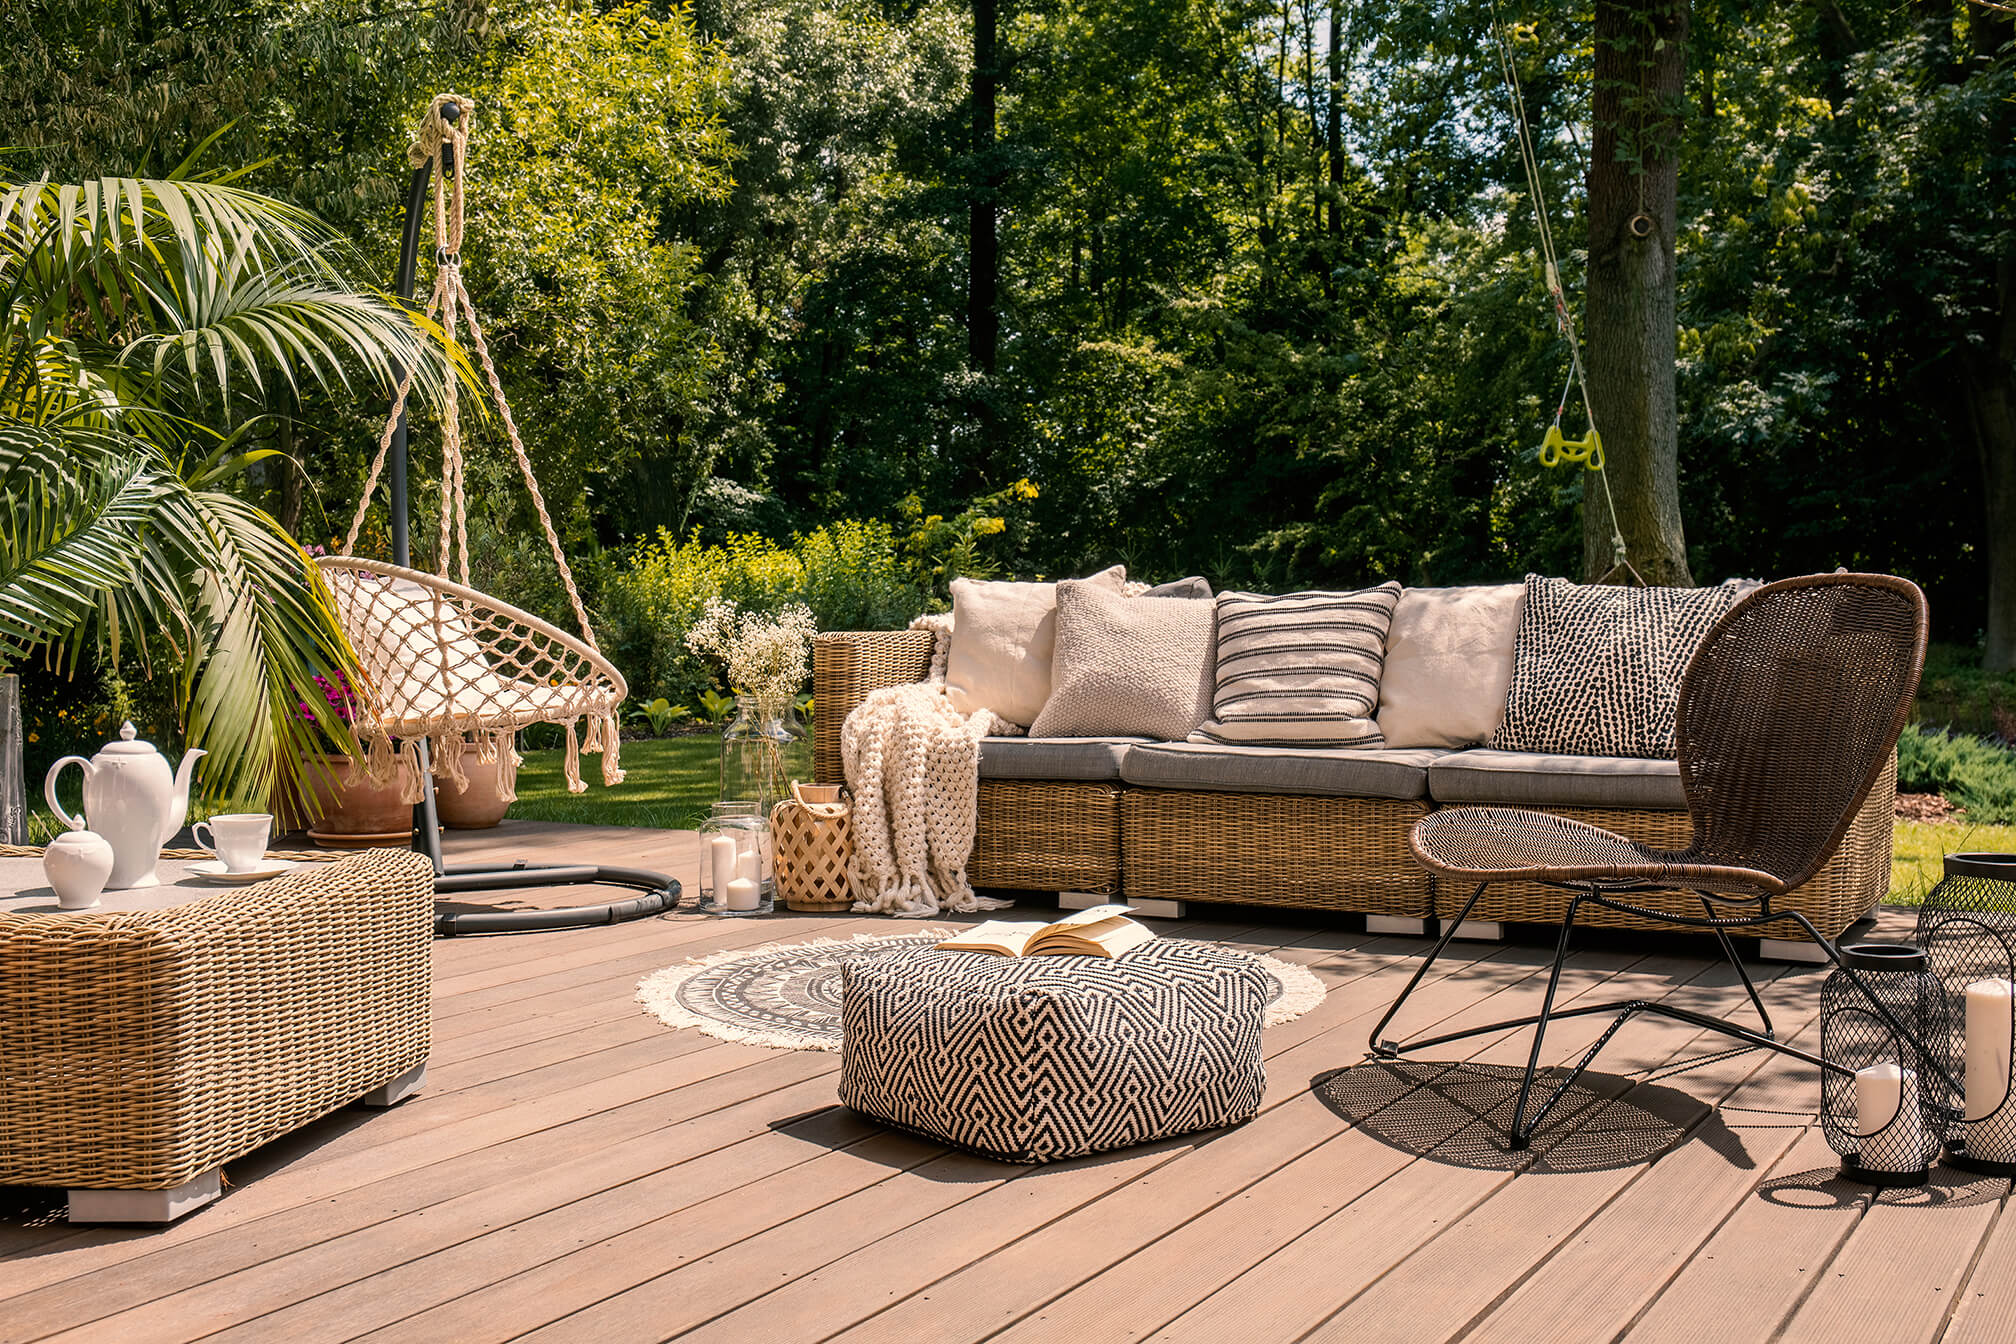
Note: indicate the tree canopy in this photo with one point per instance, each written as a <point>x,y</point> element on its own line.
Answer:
<point>1269,302</point>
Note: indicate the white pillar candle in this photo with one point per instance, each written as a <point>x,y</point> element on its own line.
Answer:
<point>1991,1110</point>
<point>720,864</point>
<point>1888,1123</point>
<point>749,857</point>
<point>742,894</point>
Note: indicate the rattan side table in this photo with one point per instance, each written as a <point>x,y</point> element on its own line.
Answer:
<point>141,1049</point>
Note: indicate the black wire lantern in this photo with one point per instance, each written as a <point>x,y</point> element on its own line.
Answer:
<point>1886,1094</point>
<point>1967,931</point>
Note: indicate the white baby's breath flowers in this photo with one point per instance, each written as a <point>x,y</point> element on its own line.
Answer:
<point>767,657</point>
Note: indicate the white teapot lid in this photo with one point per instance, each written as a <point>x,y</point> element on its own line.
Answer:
<point>127,745</point>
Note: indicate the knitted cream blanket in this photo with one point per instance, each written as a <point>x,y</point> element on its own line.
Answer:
<point>913,763</point>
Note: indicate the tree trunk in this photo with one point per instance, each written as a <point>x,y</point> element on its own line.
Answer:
<point>1641,67</point>
<point>1991,395</point>
<point>13,787</point>
<point>1333,130</point>
<point>983,319</point>
<point>1991,404</point>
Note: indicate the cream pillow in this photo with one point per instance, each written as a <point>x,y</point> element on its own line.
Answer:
<point>1448,662</point>
<point>1003,636</point>
<point>1128,666</point>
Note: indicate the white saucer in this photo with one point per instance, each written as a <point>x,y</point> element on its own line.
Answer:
<point>213,870</point>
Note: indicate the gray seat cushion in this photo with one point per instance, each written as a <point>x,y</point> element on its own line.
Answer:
<point>1531,779</point>
<point>1333,772</point>
<point>1072,758</point>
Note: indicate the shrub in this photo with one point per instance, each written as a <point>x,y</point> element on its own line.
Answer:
<point>1974,774</point>
<point>848,573</point>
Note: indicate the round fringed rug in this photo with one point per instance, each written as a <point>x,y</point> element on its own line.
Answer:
<point>787,996</point>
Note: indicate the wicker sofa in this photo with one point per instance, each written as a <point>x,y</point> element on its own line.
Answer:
<point>1316,829</point>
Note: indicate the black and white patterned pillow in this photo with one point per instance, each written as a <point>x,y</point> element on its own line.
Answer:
<point>1596,670</point>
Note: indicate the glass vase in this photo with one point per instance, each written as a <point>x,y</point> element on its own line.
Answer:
<point>762,751</point>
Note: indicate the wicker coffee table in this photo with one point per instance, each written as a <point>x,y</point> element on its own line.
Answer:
<point>146,1043</point>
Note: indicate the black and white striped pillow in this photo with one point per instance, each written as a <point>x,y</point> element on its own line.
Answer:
<point>1301,670</point>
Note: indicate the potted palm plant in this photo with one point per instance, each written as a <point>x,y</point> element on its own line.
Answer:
<point>142,325</point>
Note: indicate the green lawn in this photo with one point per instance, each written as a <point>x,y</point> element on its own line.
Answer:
<point>1918,846</point>
<point>669,782</point>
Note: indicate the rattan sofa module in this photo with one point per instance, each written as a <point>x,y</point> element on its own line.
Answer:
<point>140,1051</point>
<point>1309,829</point>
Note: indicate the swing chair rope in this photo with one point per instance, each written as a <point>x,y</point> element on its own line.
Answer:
<point>1564,319</point>
<point>437,137</point>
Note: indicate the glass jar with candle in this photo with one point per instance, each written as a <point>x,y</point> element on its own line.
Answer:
<point>1967,931</point>
<point>1887,1093</point>
<point>735,870</point>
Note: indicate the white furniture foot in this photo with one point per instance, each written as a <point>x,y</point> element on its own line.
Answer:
<point>1480,931</point>
<point>396,1091</point>
<point>1791,949</point>
<point>146,1206</point>
<point>1085,900</point>
<point>1395,924</point>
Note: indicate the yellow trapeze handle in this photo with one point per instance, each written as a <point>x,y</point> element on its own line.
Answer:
<point>1556,448</point>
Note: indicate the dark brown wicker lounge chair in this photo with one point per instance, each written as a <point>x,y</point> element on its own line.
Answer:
<point>1787,717</point>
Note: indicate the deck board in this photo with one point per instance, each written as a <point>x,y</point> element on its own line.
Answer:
<point>575,1171</point>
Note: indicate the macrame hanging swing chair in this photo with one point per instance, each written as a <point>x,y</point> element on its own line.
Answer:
<point>443,665</point>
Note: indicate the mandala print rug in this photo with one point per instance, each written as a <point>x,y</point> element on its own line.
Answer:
<point>787,996</point>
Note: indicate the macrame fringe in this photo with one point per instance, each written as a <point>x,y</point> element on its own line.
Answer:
<point>572,767</point>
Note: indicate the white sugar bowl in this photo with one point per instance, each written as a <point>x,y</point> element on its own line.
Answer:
<point>78,864</point>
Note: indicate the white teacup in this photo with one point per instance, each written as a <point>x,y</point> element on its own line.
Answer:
<point>238,839</point>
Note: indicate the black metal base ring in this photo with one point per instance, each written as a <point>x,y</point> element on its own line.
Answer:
<point>1855,1171</point>
<point>660,893</point>
<point>1956,1156</point>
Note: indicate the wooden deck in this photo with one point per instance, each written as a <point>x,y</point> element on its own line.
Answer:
<point>575,1171</point>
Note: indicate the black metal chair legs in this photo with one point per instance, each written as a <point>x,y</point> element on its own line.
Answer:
<point>1524,1126</point>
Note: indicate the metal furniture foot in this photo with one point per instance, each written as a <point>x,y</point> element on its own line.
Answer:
<point>396,1091</point>
<point>146,1206</point>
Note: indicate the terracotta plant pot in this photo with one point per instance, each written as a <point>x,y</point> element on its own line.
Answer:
<point>349,804</point>
<point>481,805</point>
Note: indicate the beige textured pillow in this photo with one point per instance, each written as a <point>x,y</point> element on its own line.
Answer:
<point>1128,666</point>
<point>1448,662</point>
<point>1003,635</point>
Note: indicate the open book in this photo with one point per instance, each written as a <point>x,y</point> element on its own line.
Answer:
<point>1102,931</point>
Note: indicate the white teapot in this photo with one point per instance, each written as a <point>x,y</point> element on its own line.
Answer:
<point>131,799</point>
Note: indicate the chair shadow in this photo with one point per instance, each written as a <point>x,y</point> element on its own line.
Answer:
<point>1461,1115</point>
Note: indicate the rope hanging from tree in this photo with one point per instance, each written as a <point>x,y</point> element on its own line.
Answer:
<point>1556,447</point>
<point>442,662</point>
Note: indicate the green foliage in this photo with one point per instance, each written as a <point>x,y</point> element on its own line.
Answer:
<point>1976,775</point>
<point>143,323</point>
<point>716,706</point>
<point>848,573</point>
<point>1957,692</point>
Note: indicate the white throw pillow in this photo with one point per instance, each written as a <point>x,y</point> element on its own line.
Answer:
<point>1448,662</point>
<point>1128,666</point>
<point>1003,637</point>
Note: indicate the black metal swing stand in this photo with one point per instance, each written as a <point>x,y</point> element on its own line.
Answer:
<point>1764,1036</point>
<point>657,892</point>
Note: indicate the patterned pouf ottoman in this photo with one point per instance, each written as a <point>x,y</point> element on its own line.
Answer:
<point>1032,1059</point>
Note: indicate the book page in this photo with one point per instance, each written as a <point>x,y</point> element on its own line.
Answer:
<point>1005,936</point>
<point>1098,914</point>
<point>1108,938</point>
